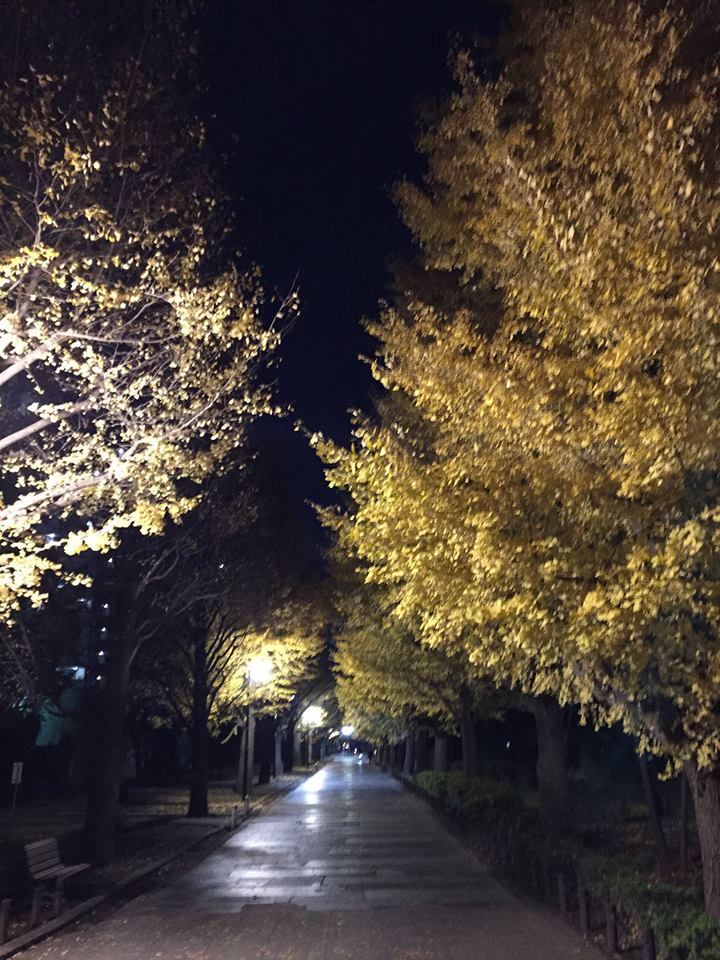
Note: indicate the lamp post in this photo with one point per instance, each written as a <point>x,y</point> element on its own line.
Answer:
<point>312,717</point>
<point>246,756</point>
<point>260,672</point>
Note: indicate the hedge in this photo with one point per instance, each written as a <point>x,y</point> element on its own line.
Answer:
<point>514,832</point>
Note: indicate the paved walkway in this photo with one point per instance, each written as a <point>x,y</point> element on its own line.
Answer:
<point>348,866</point>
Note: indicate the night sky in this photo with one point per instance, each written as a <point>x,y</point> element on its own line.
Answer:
<point>316,104</point>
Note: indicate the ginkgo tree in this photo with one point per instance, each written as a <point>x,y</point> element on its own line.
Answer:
<point>129,343</point>
<point>386,681</point>
<point>381,657</point>
<point>596,215</point>
<point>289,641</point>
<point>206,683</point>
<point>240,596</point>
<point>412,530</point>
<point>563,526</point>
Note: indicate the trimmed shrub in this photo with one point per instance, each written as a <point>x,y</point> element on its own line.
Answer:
<point>512,831</point>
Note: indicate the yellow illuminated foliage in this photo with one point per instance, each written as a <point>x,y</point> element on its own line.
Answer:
<point>384,677</point>
<point>560,524</point>
<point>290,641</point>
<point>128,355</point>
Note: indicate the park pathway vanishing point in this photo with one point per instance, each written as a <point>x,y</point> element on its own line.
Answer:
<point>349,866</point>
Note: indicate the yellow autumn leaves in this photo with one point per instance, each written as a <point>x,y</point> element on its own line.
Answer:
<point>128,360</point>
<point>545,501</point>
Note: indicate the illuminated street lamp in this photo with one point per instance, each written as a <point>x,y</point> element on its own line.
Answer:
<point>312,716</point>
<point>347,729</point>
<point>259,672</point>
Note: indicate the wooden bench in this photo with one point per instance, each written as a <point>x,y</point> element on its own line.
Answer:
<point>45,866</point>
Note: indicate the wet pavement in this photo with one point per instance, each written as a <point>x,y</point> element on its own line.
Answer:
<point>348,866</point>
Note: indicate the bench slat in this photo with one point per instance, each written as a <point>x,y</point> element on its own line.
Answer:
<point>44,863</point>
<point>50,844</point>
<point>38,860</point>
<point>61,872</point>
<point>74,868</point>
<point>38,865</point>
<point>40,856</point>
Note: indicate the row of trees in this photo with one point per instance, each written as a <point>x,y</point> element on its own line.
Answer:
<point>534,506</point>
<point>134,344</point>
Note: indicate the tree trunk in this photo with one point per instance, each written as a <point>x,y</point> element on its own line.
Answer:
<point>684,789</point>
<point>468,733</point>
<point>199,740</point>
<point>551,729</point>
<point>440,752</point>
<point>289,747</point>
<point>409,760</point>
<point>705,786</point>
<point>108,751</point>
<point>650,789</point>
<point>278,758</point>
<point>423,759</point>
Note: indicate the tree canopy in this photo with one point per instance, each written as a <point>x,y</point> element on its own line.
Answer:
<point>130,339</point>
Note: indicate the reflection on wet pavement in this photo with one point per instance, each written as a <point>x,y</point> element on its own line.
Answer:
<point>349,866</point>
<point>349,838</point>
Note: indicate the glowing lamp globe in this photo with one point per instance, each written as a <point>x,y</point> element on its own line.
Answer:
<point>347,730</point>
<point>260,670</point>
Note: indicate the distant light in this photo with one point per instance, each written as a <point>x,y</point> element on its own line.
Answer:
<point>335,733</point>
<point>347,729</point>
<point>98,677</point>
<point>221,566</point>
<point>313,716</point>
<point>89,525</point>
<point>106,606</point>
<point>507,745</point>
<point>101,653</point>
<point>260,670</point>
<point>50,538</point>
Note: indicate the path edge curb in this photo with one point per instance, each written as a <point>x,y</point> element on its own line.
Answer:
<point>47,929</point>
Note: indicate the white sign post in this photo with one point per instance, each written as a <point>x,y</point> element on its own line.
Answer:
<point>16,780</point>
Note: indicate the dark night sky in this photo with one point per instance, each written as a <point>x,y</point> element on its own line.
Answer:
<point>317,104</point>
